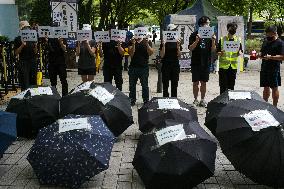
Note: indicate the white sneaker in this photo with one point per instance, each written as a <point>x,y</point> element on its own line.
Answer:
<point>203,103</point>
<point>195,102</point>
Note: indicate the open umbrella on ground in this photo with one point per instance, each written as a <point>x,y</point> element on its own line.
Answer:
<point>99,99</point>
<point>251,135</point>
<point>181,156</point>
<point>71,151</point>
<point>215,106</point>
<point>8,131</point>
<point>158,109</point>
<point>35,109</point>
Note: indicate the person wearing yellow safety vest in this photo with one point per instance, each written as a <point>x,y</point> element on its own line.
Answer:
<point>228,61</point>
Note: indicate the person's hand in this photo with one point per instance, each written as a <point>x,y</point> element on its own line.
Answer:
<point>213,37</point>
<point>118,43</point>
<point>46,38</point>
<point>240,53</point>
<point>178,43</point>
<point>222,53</point>
<point>163,42</point>
<point>145,41</point>
<point>197,39</point>
<point>133,41</point>
<point>24,43</point>
<point>60,40</point>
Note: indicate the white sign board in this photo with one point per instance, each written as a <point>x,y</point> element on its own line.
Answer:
<point>83,35</point>
<point>73,124</point>
<point>102,36</point>
<point>28,35</point>
<point>102,94</point>
<point>60,32</point>
<point>118,35</point>
<point>45,31</point>
<point>41,91</point>
<point>206,32</point>
<point>171,36</point>
<point>235,95</point>
<point>140,32</point>
<point>260,119</point>
<point>20,95</point>
<point>231,46</point>
<point>83,86</point>
<point>169,134</point>
<point>168,104</point>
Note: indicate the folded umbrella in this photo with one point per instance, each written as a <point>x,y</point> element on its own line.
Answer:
<point>8,131</point>
<point>251,135</point>
<point>35,109</point>
<point>181,155</point>
<point>71,151</point>
<point>99,99</point>
<point>215,106</point>
<point>158,109</point>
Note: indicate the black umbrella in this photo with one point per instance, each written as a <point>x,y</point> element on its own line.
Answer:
<point>181,155</point>
<point>100,99</point>
<point>215,106</point>
<point>252,137</point>
<point>8,131</point>
<point>35,109</point>
<point>158,109</point>
<point>71,151</point>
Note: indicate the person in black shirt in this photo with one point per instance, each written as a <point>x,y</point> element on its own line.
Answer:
<point>27,56</point>
<point>139,49</point>
<point>56,57</point>
<point>170,53</point>
<point>272,54</point>
<point>200,60</point>
<point>112,68</point>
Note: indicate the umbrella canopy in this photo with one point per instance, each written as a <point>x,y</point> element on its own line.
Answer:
<point>100,99</point>
<point>181,155</point>
<point>8,131</point>
<point>215,106</point>
<point>35,109</point>
<point>71,151</point>
<point>251,136</point>
<point>158,109</point>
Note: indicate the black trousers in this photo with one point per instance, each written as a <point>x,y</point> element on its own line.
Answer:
<point>58,70</point>
<point>27,73</point>
<point>113,73</point>
<point>170,73</point>
<point>227,78</point>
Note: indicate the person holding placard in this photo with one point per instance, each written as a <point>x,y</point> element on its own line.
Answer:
<point>86,50</point>
<point>140,48</point>
<point>201,47</point>
<point>228,58</point>
<point>56,59</point>
<point>170,53</point>
<point>112,68</point>
<point>272,55</point>
<point>26,52</point>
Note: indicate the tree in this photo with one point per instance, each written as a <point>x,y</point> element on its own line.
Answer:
<point>41,12</point>
<point>24,8</point>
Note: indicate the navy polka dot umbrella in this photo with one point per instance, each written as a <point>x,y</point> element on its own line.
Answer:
<point>71,151</point>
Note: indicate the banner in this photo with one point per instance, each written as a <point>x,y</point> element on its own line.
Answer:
<point>83,35</point>
<point>206,32</point>
<point>45,31</point>
<point>171,36</point>
<point>140,32</point>
<point>28,35</point>
<point>118,35</point>
<point>102,36</point>
<point>60,32</point>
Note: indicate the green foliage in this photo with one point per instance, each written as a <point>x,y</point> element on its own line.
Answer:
<point>3,38</point>
<point>253,44</point>
<point>24,8</point>
<point>41,12</point>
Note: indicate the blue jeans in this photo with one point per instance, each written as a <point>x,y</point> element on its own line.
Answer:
<point>142,74</point>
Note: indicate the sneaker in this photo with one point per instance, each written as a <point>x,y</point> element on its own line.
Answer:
<point>195,102</point>
<point>203,103</point>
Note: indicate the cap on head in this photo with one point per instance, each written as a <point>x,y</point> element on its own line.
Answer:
<point>24,24</point>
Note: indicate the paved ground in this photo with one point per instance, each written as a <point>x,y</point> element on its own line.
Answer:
<point>16,172</point>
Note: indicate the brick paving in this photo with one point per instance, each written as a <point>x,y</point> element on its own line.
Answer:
<point>16,172</point>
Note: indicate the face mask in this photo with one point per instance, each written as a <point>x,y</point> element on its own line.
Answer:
<point>269,38</point>
<point>232,31</point>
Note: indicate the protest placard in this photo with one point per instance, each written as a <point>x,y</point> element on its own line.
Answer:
<point>28,35</point>
<point>83,35</point>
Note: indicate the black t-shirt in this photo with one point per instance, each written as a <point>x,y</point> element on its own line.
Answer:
<point>55,52</point>
<point>201,55</point>
<point>141,56</point>
<point>27,52</point>
<point>112,57</point>
<point>272,48</point>
<point>87,60</point>
<point>170,52</point>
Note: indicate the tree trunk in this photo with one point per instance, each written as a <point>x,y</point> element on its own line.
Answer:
<point>250,21</point>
